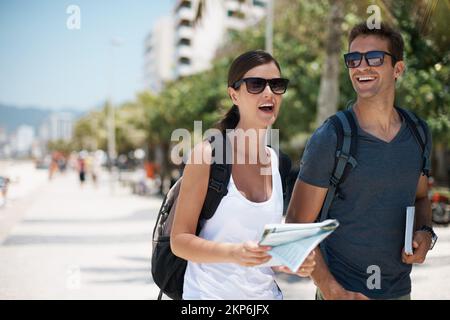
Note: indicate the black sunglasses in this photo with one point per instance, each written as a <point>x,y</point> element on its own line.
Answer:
<point>373,58</point>
<point>257,85</point>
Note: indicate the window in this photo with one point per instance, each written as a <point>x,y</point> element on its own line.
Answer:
<point>185,61</point>
<point>236,14</point>
<point>186,4</point>
<point>185,23</point>
<point>184,42</point>
<point>259,3</point>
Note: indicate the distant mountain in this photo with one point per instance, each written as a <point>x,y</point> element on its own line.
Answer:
<point>12,117</point>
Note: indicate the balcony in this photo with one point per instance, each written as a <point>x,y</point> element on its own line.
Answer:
<point>184,70</point>
<point>183,4</point>
<point>185,32</point>
<point>185,14</point>
<point>234,23</point>
<point>184,51</point>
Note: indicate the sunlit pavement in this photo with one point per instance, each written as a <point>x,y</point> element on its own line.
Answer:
<point>72,242</point>
<point>79,243</point>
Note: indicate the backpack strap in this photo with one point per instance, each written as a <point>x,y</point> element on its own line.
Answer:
<point>420,132</point>
<point>284,167</point>
<point>346,132</point>
<point>219,176</point>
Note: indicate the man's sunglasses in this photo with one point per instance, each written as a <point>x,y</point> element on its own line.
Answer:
<point>373,58</point>
<point>257,85</point>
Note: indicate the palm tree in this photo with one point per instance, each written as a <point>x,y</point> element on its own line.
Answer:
<point>329,83</point>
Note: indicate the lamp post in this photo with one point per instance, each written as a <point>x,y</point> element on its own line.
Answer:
<point>114,43</point>
<point>111,126</point>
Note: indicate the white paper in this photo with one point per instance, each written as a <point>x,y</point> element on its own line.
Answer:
<point>292,242</point>
<point>409,229</point>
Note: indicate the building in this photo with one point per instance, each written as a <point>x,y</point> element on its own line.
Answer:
<point>202,26</point>
<point>158,55</point>
<point>199,28</point>
<point>58,126</point>
<point>4,146</point>
<point>22,140</point>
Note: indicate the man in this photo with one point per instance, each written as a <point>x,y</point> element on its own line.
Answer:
<point>372,200</point>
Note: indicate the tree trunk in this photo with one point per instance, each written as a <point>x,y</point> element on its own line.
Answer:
<point>329,83</point>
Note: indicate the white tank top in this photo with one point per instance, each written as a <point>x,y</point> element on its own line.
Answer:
<point>237,220</point>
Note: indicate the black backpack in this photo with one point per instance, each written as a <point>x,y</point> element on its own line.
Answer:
<point>168,269</point>
<point>346,149</point>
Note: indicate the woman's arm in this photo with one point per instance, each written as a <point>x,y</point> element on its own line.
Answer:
<point>184,242</point>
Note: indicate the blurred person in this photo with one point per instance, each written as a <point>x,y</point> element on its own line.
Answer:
<point>95,168</point>
<point>61,162</point>
<point>53,166</point>
<point>223,259</point>
<point>389,173</point>
<point>4,182</point>
<point>81,167</point>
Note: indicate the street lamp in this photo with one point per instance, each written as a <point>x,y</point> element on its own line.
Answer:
<point>112,154</point>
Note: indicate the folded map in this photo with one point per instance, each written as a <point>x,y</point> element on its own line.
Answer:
<point>292,242</point>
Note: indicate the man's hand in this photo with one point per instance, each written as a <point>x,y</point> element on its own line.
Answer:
<point>337,292</point>
<point>305,269</point>
<point>421,245</point>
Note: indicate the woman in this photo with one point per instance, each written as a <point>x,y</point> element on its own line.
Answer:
<point>223,260</point>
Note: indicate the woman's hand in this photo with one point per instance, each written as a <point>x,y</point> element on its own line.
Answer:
<point>250,254</point>
<point>305,269</point>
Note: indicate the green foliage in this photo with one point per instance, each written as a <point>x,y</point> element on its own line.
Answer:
<point>424,87</point>
<point>65,147</point>
<point>299,42</point>
<point>90,131</point>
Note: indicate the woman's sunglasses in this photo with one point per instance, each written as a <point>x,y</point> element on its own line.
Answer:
<point>257,85</point>
<point>373,58</point>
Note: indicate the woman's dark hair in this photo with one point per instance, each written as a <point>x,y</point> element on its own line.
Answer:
<point>238,69</point>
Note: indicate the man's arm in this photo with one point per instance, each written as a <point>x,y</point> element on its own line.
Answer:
<point>422,239</point>
<point>305,205</point>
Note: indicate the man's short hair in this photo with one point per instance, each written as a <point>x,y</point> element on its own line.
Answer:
<point>394,38</point>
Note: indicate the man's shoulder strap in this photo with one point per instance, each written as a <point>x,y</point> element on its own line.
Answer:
<point>346,132</point>
<point>219,176</point>
<point>419,130</point>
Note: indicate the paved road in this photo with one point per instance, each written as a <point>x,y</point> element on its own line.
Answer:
<point>68,242</point>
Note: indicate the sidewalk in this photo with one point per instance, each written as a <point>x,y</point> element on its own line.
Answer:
<point>85,243</point>
<point>80,243</point>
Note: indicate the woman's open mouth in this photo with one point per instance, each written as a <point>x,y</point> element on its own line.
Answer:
<point>267,107</point>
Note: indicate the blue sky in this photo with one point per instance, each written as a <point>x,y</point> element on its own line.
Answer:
<point>45,64</point>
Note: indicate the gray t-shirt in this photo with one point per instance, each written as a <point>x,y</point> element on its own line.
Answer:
<point>371,208</point>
